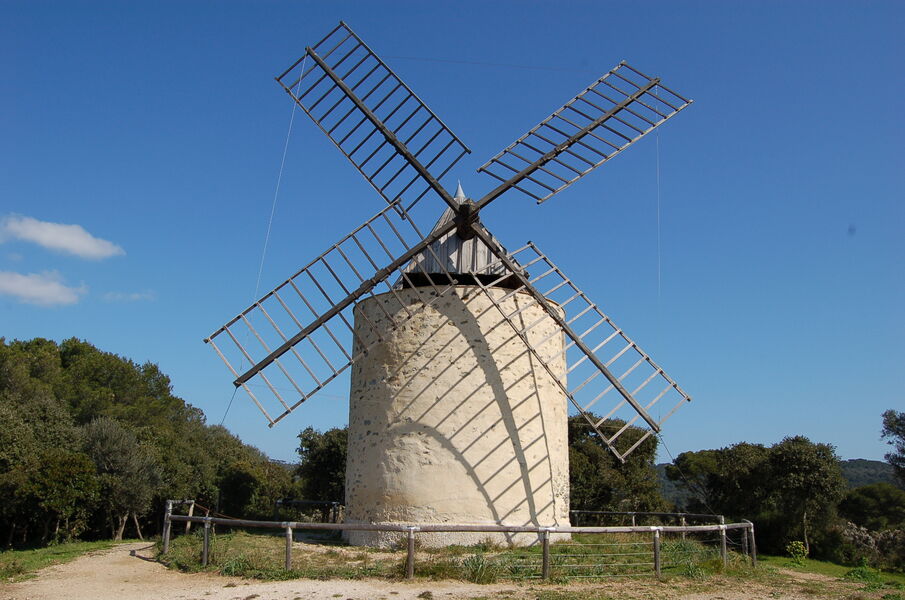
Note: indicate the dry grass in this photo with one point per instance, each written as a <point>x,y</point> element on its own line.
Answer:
<point>261,556</point>
<point>618,568</point>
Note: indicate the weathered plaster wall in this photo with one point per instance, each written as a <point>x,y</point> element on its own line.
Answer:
<point>452,420</point>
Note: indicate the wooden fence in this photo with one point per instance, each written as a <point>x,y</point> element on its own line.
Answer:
<point>746,528</point>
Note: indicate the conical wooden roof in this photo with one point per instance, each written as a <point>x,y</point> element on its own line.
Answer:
<point>453,255</point>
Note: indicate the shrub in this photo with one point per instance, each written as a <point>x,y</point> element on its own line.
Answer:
<point>685,552</point>
<point>236,565</point>
<point>853,545</point>
<point>891,547</point>
<point>694,572</point>
<point>863,573</point>
<point>477,569</point>
<point>11,569</point>
<point>797,551</point>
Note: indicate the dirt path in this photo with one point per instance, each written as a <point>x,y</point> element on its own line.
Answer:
<point>129,572</point>
<point>119,575</point>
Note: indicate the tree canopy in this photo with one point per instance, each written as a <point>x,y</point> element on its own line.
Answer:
<point>878,506</point>
<point>894,434</point>
<point>599,481</point>
<point>806,481</point>
<point>789,489</point>
<point>322,465</point>
<point>89,438</point>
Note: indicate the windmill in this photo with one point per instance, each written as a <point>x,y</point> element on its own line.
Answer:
<point>463,355</point>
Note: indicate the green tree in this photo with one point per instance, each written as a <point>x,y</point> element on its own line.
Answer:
<point>728,481</point>
<point>697,473</point>
<point>65,401</point>
<point>64,485</point>
<point>126,470</point>
<point>251,487</point>
<point>807,482</point>
<point>599,481</point>
<point>33,422</point>
<point>790,489</point>
<point>894,434</point>
<point>322,465</point>
<point>743,470</point>
<point>238,484</point>
<point>877,506</point>
<point>18,449</point>
<point>275,483</point>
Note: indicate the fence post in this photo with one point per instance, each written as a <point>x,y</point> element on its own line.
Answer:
<point>188,524</point>
<point>657,551</point>
<point>753,543</point>
<point>683,523</point>
<point>545,561</point>
<point>723,553</point>
<point>633,519</point>
<point>167,525</point>
<point>410,557</point>
<point>288,547</point>
<point>205,547</point>
<point>745,541</point>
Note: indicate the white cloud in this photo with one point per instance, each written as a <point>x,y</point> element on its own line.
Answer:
<point>43,289</point>
<point>58,236</point>
<point>149,296</point>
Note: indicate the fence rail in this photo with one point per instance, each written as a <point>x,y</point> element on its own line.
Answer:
<point>746,528</point>
<point>672,515</point>
<point>680,517</point>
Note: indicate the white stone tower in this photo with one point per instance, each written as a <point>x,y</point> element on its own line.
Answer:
<point>451,419</point>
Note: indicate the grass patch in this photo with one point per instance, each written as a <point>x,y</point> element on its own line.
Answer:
<point>688,567</point>
<point>258,556</point>
<point>261,556</point>
<point>16,565</point>
<point>809,565</point>
<point>480,570</point>
<point>863,574</point>
<point>601,555</point>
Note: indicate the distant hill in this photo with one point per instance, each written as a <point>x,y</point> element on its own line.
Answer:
<point>857,471</point>
<point>670,489</point>
<point>860,471</point>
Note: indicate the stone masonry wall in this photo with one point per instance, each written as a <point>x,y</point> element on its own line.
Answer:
<point>452,420</point>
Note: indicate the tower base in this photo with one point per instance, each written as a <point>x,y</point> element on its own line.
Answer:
<point>453,420</point>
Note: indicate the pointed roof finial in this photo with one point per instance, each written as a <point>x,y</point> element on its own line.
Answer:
<point>460,195</point>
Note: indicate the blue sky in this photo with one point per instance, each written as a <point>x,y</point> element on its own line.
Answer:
<point>155,130</point>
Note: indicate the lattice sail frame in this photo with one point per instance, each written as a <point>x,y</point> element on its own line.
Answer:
<point>318,302</point>
<point>607,117</point>
<point>586,384</point>
<point>385,130</point>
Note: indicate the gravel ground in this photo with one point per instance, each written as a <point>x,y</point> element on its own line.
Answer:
<point>130,572</point>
